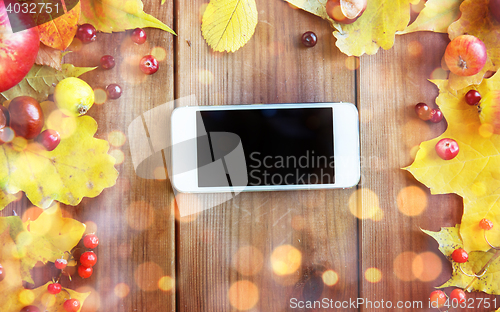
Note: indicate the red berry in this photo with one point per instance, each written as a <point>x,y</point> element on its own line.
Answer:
<point>49,138</point>
<point>86,33</point>
<point>138,36</point>
<point>460,255</point>
<point>114,91</point>
<point>90,241</point>
<point>486,224</point>
<point>61,264</point>
<point>423,111</point>
<point>107,62</point>
<point>88,259</point>
<point>2,273</point>
<point>71,305</point>
<point>149,65</point>
<point>30,308</point>
<point>436,115</point>
<point>437,298</point>
<point>472,97</point>
<point>309,39</point>
<point>85,272</point>
<point>447,148</point>
<point>54,288</point>
<point>458,295</point>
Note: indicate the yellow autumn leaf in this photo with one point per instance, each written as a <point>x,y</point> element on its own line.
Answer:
<point>79,167</point>
<point>117,15</point>
<point>45,239</point>
<point>474,173</point>
<point>12,268</point>
<point>449,240</point>
<point>228,25</point>
<point>476,20</point>
<point>376,27</point>
<point>436,16</point>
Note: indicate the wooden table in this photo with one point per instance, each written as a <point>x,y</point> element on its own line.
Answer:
<point>142,239</point>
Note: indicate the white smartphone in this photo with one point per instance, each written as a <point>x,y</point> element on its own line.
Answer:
<point>268,147</point>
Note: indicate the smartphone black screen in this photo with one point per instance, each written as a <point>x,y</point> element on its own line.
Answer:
<point>290,146</point>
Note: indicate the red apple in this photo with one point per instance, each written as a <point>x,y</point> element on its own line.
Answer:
<point>489,110</point>
<point>345,11</point>
<point>465,55</point>
<point>17,50</point>
<point>495,9</point>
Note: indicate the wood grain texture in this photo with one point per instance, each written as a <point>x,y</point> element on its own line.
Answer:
<point>135,218</point>
<point>273,67</point>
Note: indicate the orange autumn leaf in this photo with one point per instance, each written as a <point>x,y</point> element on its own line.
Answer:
<point>59,32</point>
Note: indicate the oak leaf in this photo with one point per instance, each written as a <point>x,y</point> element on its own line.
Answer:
<point>449,240</point>
<point>375,28</point>
<point>436,16</point>
<point>45,239</point>
<point>116,15</point>
<point>49,56</point>
<point>58,33</point>
<point>228,25</point>
<point>474,173</point>
<point>40,81</point>
<point>79,166</point>
<point>476,20</point>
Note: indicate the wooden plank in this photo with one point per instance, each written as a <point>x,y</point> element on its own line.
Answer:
<point>273,67</point>
<point>391,83</point>
<point>135,218</point>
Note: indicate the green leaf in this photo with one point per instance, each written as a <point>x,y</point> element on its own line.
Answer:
<point>38,83</point>
<point>229,24</point>
<point>116,15</point>
<point>437,16</point>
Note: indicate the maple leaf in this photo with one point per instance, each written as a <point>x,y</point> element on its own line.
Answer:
<point>449,240</point>
<point>58,33</point>
<point>38,83</point>
<point>79,166</point>
<point>45,239</point>
<point>228,25</point>
<point>476,20</point>
<point>49,56</point>
<point>116,15</point>
<point>11,288</point>
<point>436,16</point>
<point>474,173</point>
<point>375,28</point>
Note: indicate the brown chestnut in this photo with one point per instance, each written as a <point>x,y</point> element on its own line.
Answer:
<point>26,117</point>
<point>4,117</point>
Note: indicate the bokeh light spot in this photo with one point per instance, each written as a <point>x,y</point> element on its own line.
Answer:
<point>373,275</point>
<point>486,130</point>
<point>147,276</point>
<point>159,53</point>
<point>370,206</point>
<point>248,260</point>
<point>100,96</point>
<point>205,77</point>
<point>412,201</point>
<point>118,155</point>
<point>93,301</point>
<point>285,260</point>
<point>403,266</point>
<point>352,62</point>
<point>439,73</point>
<point>427,266</point>
<point>330,277</point>
<point>121,290</point>
<point>243,295</point>
<point>117,138</point>
<point>32,213</point>
<point>26,296</point>
<point>415,48</point>
<point>166,283</point>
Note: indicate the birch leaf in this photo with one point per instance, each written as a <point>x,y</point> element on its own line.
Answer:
<point>228,25</point>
